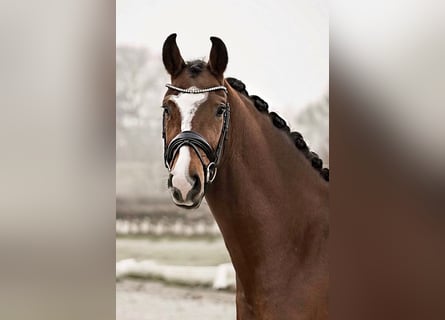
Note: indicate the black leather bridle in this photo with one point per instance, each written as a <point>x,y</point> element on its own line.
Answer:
<point>195,140</point>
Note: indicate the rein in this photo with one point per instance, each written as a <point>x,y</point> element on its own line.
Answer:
<point>195,140</point>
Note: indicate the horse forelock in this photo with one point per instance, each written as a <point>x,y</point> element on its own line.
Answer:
<point>195,67</point>
<point>196,73</point>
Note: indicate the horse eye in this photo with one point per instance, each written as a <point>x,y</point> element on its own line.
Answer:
<point>221,110</point>
<point>166,111</point>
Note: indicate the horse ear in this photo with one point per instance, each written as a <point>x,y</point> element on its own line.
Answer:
<point>171,56</point>
<point>218,57</point>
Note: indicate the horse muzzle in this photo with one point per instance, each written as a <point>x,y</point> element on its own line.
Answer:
<point>186,194</point>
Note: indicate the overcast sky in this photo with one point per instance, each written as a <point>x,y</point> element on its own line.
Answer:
<point>280,49</point>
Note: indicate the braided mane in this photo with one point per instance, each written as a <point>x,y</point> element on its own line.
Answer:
<point>280,123</point>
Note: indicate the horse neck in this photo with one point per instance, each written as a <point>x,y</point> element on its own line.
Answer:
<point>269,203</point>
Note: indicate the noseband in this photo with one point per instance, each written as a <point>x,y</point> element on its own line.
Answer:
<point>195,140</point>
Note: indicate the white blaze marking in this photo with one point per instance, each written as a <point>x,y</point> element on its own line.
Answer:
<point>187,104</point>
<point>180,172</point>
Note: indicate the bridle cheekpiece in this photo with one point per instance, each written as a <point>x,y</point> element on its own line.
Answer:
<point>195,140</point>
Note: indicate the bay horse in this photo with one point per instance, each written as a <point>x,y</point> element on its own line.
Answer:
<point>267,192</point>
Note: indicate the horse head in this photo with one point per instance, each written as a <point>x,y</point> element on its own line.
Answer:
<point>195,120</point>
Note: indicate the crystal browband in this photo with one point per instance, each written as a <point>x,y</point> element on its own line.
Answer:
<point>196,91</point>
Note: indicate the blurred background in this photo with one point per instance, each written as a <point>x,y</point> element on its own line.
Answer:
<point>57,172</point>
<point>171,262</point>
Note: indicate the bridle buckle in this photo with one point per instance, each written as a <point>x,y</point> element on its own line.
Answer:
<point>211,172</point>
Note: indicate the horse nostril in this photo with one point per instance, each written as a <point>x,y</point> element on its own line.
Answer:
<point>195,189</point>
<point>196,183</point>
<point>176,194</point>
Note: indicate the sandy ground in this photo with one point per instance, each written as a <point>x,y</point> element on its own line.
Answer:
<point>147,300</point>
